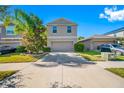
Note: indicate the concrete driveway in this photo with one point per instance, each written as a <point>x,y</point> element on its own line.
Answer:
<point>65,70</point>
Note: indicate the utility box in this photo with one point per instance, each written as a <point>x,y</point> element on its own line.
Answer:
<point>107,55</point>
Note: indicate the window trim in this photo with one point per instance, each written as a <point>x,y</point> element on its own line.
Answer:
<point>10,34</point>
<point>12,29</point>
<point>69,29</point>
<point>0,30</point>
<point>53,29</point>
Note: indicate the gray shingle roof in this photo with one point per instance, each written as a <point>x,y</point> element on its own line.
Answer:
<point>98,37</point>
<point>62,21</point>
<point>115,31</point>
<point>101,36</point>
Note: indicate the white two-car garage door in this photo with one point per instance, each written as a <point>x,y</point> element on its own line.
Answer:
<point>62,46</point>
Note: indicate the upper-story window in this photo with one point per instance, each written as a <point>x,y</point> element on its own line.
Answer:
<point>0,29</point>
<point>54,29</point>
<point>68,29</point>
<point>10,30</point>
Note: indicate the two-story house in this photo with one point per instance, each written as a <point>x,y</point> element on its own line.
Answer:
<point>62,35</point>
<point>8,37</point>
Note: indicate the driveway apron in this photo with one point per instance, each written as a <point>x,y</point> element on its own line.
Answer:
<point>66,70</point>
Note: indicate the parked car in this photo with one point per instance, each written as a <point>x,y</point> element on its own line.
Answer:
<point>111,47</point>
<point>7,49</point>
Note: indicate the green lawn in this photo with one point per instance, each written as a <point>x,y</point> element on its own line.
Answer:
<point>4,74</point>
<point>96,56</point>
<point>91,55</point>
<point>17,58</point>
<point>117,71</point>
<point>91,52</point>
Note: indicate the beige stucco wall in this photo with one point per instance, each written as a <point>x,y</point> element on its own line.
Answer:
<point>62,30</point>
<point>87,44</point>
<point>13,42</point>
<point>9,40</point>
<point>61,34</point>
<point>120,34</point>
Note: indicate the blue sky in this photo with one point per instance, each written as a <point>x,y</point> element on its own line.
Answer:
<point>87,17</point>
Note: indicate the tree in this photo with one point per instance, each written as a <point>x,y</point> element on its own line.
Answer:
<point>80,38</point>
<point>4,12</point>
<point>31,28</point>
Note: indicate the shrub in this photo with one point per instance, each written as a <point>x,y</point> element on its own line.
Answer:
<point>20,49</point>
<point>47,49</point>
<point>79,47</point>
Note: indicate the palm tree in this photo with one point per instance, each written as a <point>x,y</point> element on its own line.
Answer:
<point>4,11</point>
<point>32,30</point>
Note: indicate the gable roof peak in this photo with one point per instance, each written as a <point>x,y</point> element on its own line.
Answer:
<point>62,21</point>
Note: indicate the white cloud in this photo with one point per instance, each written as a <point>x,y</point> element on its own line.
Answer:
<point>112,14</point>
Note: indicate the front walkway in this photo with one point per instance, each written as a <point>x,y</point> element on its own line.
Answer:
<point>109,64</point>
<point>65,70</point>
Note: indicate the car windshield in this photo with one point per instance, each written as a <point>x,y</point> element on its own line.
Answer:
<point>116,45</point>
<point>105,45</point>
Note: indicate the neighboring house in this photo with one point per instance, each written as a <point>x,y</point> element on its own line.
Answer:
<point>62,35</point>
<point>93,42</point>
<point>116,33</point>
<point>8,37</point>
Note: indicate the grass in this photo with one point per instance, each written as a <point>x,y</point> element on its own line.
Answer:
<point>91,55</point>
<point>119,58</point>
<point>4,74</point>
<point>17,58</point>
<point>117,71</point>
<point>96,56</point>
<point>92,52</point>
